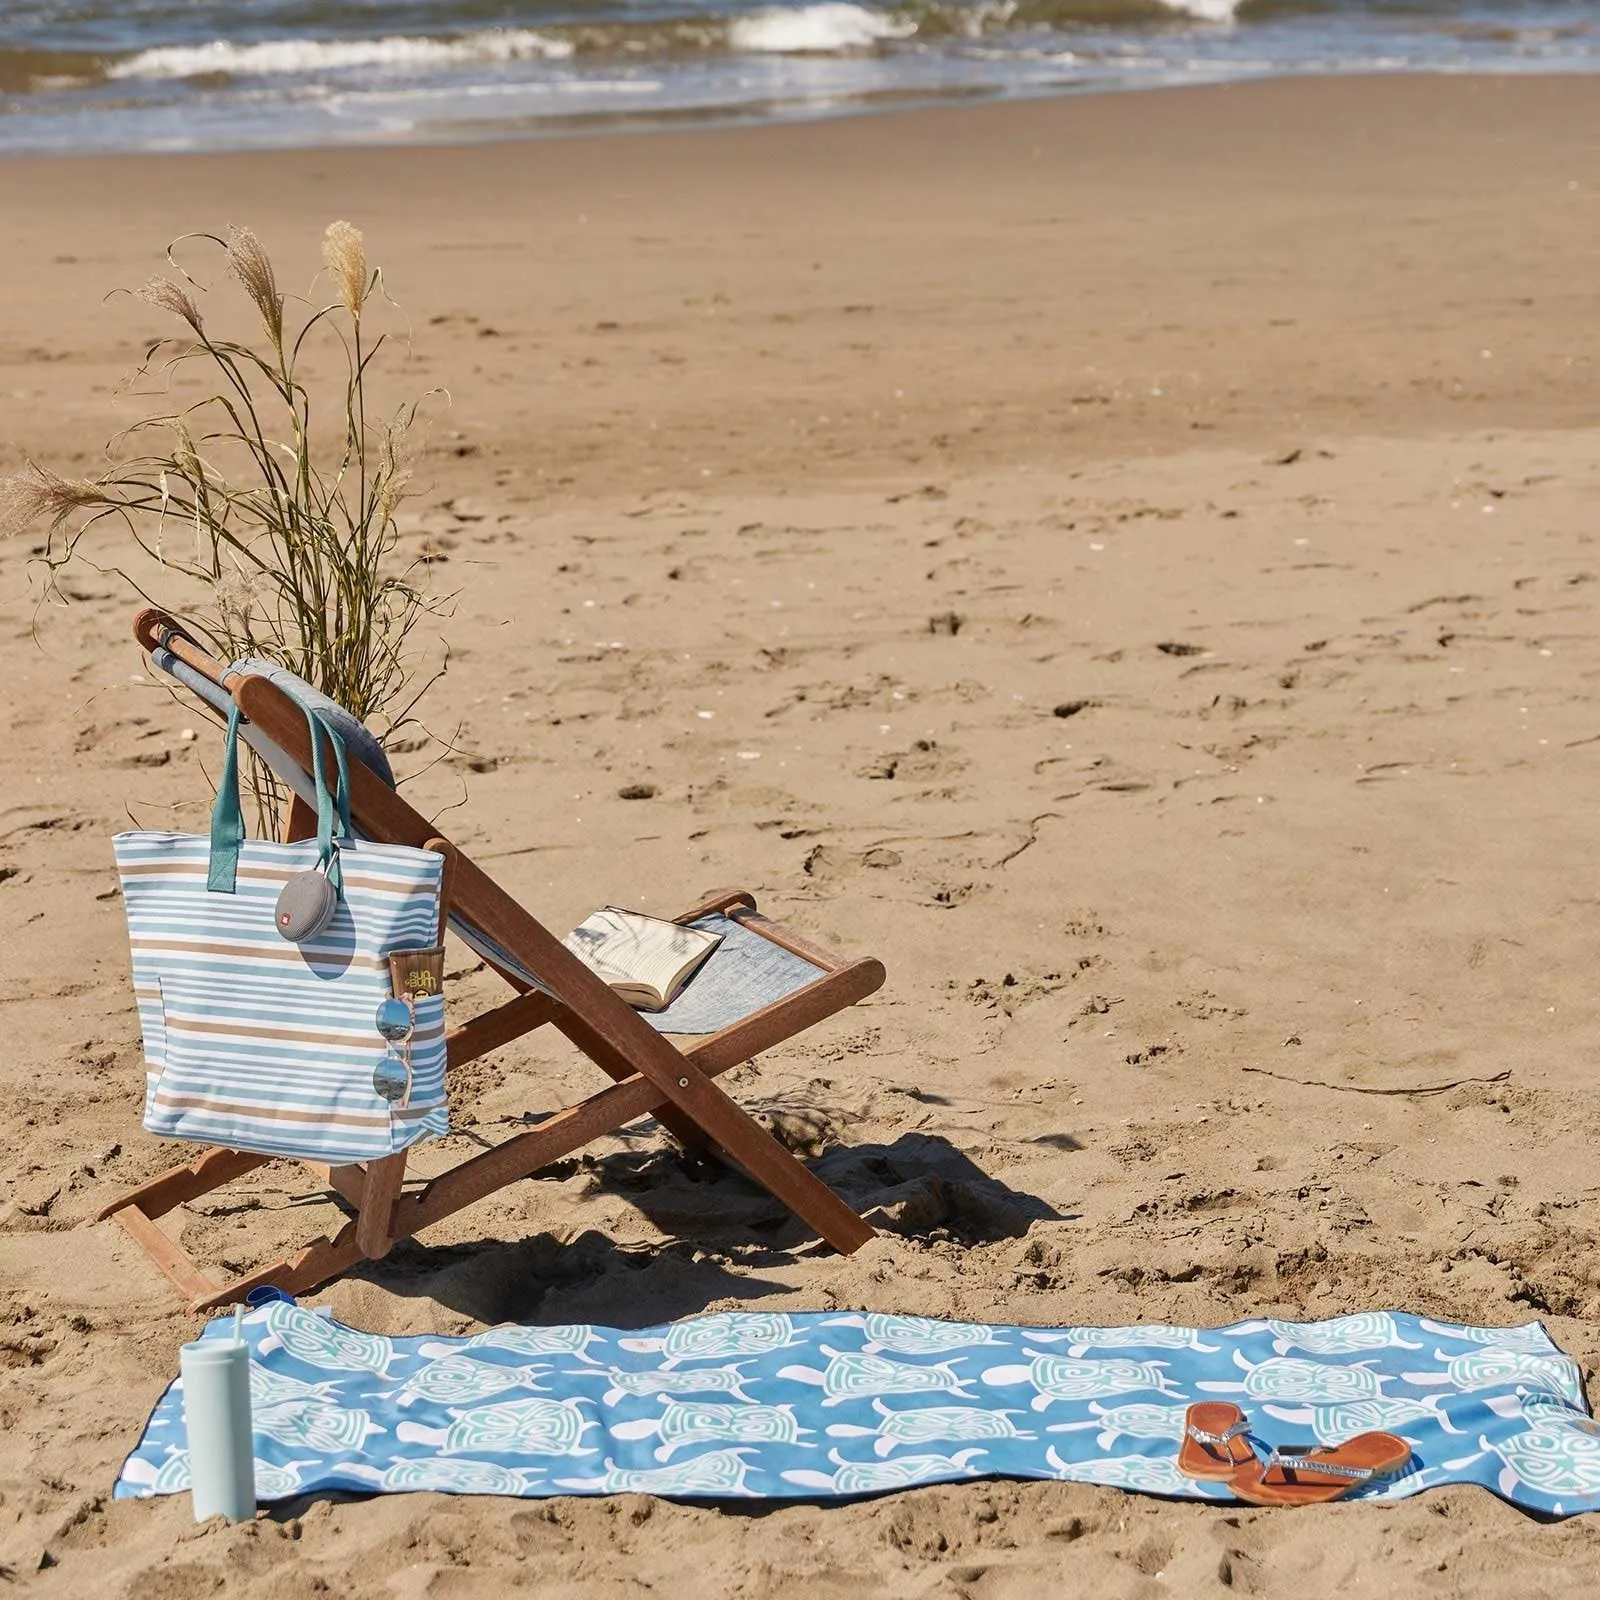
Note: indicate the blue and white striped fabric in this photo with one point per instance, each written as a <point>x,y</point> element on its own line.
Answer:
<point>255,1043</point>
<point>258,1044</point>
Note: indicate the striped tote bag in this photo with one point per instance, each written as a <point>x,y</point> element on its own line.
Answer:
<point>256,1043</point>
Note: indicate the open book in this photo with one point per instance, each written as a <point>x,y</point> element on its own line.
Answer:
<point>645,959</point>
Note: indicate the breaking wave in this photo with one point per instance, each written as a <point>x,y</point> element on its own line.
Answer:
<point>306,56</point>
<point>817,29</point>
<point>1205,10</point>
<point>828,27</point>
<point>217,74</point>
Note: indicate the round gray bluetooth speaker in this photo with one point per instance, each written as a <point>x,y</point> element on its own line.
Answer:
<point>306,905</point>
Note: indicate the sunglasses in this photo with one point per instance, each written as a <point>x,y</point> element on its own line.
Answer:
<point>391,1078</point>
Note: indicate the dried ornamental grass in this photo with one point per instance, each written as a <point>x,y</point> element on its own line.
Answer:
<point>268,533</point>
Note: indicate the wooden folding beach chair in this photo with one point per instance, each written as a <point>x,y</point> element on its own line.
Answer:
<point>649,1073</point>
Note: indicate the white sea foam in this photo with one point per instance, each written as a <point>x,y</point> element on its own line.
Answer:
<point>286,56</point>
<point>817,29</point>
<point>1205,10</point>
<point>977,20</point>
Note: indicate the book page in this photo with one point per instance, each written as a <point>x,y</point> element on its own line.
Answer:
<point>643,958</point>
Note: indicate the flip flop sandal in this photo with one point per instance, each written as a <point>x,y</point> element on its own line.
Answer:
<point>1214,1443</point>
<point>1314,1476</point>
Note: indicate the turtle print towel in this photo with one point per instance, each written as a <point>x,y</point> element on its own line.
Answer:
<point>769,1405</point>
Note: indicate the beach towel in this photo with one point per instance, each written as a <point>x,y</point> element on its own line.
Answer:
<point>766,1405</point>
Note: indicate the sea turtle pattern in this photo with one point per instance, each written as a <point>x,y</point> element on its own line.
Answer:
<point>572,1339</point>
<point>789,1404</point>
<point>687,1422</point>
<point>718,1336</point>
<point>315,1427</point>
<point>458,1379</point>
<point>1340,1336</point>
<point>927,1424</point>
<point>1138,1420</point>
<point>1331,1424</point>
<point>1055,1378</point>
<point>1149,1336</point>
<point>1558,1456</point>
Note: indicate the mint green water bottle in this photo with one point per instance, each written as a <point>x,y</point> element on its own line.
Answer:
<point>216,1411</point>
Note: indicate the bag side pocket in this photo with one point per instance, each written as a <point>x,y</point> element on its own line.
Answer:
<point>427,1116</point>
<point>152,1028</point>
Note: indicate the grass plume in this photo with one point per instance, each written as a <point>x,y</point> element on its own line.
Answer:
<point>344,253</point>
<point>267,522</point>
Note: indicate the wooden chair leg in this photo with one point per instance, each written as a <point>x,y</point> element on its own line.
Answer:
<point>619,1069</point>
<point>175,1262</point>
<point>348,1182</point>
<point>382,813</point>
<point>382,1189</point>
<point>215,1168</point>
<point>463,1185</point>
<point>781,1173</point>
<point>299,1273</point>
<point>621,1103</point>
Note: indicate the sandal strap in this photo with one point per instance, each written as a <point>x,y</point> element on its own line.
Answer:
<point>1227,1436</point>
<point>1296,1462</point>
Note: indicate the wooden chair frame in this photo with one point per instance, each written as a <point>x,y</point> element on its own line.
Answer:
<point>649,1073</point>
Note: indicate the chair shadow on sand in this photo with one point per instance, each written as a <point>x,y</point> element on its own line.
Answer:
<point>714,1221</point>
<point>919,1187</point>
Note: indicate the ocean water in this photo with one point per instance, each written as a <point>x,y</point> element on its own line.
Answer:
<point>109,75</point>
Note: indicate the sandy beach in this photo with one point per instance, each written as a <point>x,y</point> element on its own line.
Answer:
<point>1138,557</point>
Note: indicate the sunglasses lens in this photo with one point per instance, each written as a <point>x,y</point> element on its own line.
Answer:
<point>390,1080</point>
<point>393,1020</point>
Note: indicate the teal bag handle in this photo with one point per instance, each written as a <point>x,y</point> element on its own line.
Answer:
<point>333,810</point>
<point>227,817</point>
<point>227,820</point>
<point>342,794</point>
